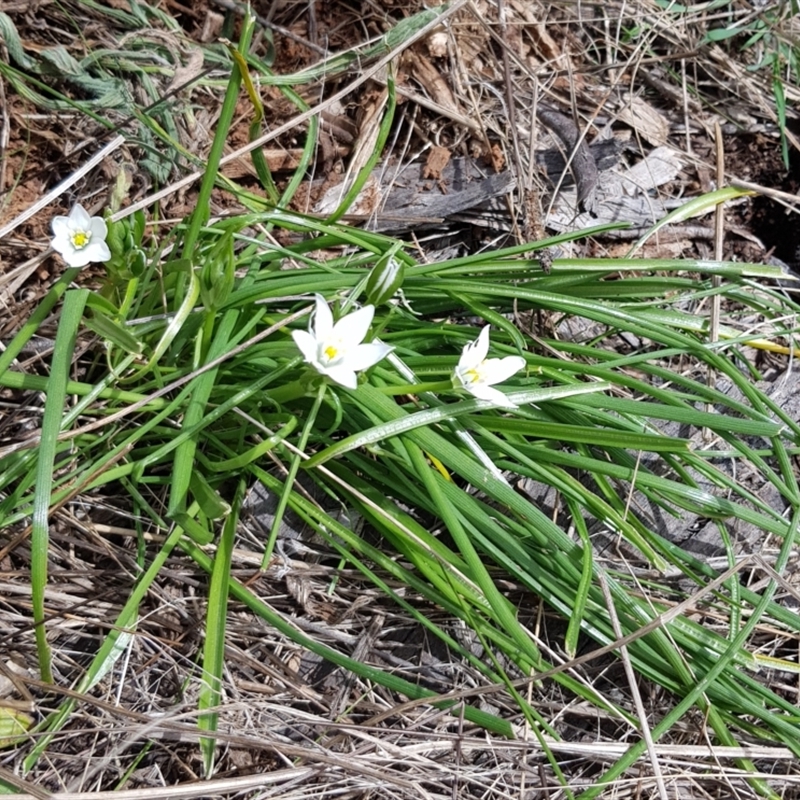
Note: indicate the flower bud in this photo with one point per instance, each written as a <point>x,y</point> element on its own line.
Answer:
<point>217,273</point>
<point>116,238</point>
<point>385,279</point>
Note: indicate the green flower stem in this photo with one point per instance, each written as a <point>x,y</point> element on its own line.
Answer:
<point>211,172</point>
<point>417,388</point>
<point>292,474</point>
<point>290,391</point>
<point>39,383</point>
<point>204,385</point>
<point>129,297</point>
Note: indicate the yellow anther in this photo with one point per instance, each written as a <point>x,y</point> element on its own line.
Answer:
<point>330,352</point>
<point>80,239</point>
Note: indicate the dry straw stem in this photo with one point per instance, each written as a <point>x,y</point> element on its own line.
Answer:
<point>635,693</point>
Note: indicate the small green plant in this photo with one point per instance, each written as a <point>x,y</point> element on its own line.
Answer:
<point>387,433</point>
<point>213,371</point>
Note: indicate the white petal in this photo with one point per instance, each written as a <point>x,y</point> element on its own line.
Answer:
<point>482,343</point>
<point>323,318</point>
<point>497,370</point>
<point>80,219</point>
<point>468,360</point>
<point>98,228</point>
<point>342,374</point>
<point>61,226</point>
<point>98,251</point>
<point>77,258</point>
<point>365,355</point>
<point>353,328</point>
<point>475,352</point>
<point>484,392</point>
<point>62,242</point>
<point>461,373</point>
<point>307,345</point>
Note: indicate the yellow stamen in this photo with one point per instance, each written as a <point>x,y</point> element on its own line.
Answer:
<point>80,239</point>
<point>330,352</point>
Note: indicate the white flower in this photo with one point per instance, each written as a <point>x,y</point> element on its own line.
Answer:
<point>477,374</point>
<point>337,350</point>
<point>80,238</point>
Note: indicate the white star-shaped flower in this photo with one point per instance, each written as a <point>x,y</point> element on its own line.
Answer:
<point>477,374</point>
<point>79,238</point>
<point>337,350</point>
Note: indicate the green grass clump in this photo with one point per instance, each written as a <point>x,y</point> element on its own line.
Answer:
<point>199,391</point>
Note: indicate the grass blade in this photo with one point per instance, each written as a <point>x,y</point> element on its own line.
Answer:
<point>71,314</point>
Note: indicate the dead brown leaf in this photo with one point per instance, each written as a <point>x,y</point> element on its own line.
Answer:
<point>438,159</point>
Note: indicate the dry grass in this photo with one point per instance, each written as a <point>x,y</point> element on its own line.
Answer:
<point>292,726</point>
